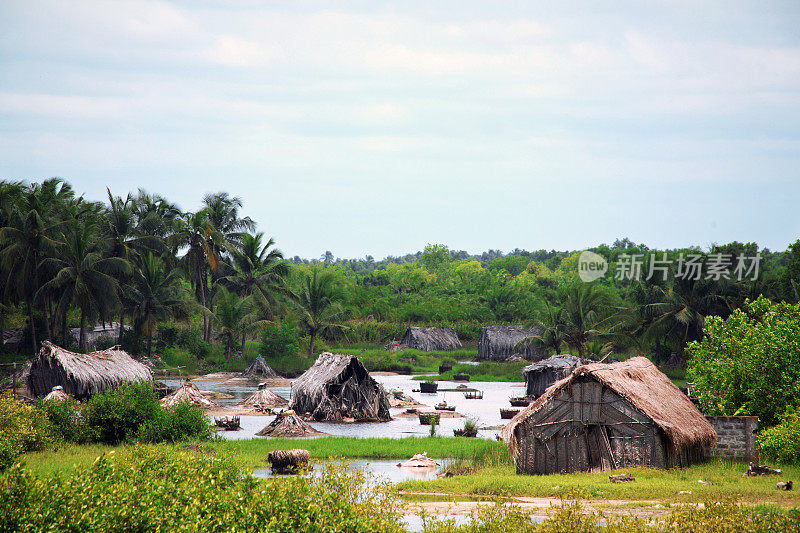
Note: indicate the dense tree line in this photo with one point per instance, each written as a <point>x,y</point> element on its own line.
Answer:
<point>140,260</point>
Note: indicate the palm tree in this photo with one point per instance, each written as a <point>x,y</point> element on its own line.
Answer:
<point>196,233</point>
<point>156,295</point>
<point>679,314</point>
<point>258,271</point>
<point>30,234</point>
<point>223,213</point>
<point>317,303</point>
<point>236,319</point>
<point>83,276</point>
<point>549,319</point>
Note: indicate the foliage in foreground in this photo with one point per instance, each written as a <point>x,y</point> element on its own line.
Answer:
<point>162,489</point>
<point>749,363</point>
<point>781,443</point>
<point>126,413</point>
<point>569,517</point>
<point>22,429</point>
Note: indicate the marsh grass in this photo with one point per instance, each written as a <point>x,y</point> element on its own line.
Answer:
<point>651,484</point>
<point>486,371</point>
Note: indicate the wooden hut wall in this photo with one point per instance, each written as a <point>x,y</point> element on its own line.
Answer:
<point>587,427</point>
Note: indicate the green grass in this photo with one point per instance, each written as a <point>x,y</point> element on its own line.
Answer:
<point>486,371</point>
<point>252,453</point>
<point>651,484</point>
<point>404,361</point>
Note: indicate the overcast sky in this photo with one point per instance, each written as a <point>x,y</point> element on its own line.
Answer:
<point>375,128</point>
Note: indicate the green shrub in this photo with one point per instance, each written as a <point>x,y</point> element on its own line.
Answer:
<point>65,419</point>
<point>115,415</point>
<point>104,342</point>
<point>279,341</point>
<point>166,335</point>
<point>174,424</point>
<point>23,428</point>
<point>192,340</point>
<point>162,489</point>
<point>781,443</point>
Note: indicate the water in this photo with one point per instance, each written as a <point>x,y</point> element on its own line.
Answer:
<point>486,412</point>
<point>381,470</point>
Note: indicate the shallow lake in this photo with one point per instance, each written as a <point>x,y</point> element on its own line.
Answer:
<point>486,412</point>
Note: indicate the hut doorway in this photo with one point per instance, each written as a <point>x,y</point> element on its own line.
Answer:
<point>598,449</point>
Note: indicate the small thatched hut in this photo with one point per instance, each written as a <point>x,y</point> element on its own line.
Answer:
<point>430,339</point>
<point>263,400</point>
<point>288,424</point>
<point>606,416</point>
<point>56,395</point>
<point>190,394</point>
<point>259,369</point>
<point>83,375</point>
<point>338,387</point>
<point>497,343</point>
<point>544,373</point>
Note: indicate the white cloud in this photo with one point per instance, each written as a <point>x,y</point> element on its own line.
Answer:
<point>232,51</point>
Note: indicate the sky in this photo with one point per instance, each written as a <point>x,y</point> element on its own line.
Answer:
<point>373,128</point>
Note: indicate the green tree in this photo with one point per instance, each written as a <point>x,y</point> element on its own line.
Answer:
<point>84,277</point>
<point>750,363</point>
<point>235,319</point>
<point>157,294</point>
<point>318,303</point>
<point>259,270</point>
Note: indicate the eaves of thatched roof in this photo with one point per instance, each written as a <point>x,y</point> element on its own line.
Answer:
<point>83,375</point>
<point>638,381</point>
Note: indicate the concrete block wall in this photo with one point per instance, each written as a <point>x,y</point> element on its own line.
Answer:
<point>737,437</point>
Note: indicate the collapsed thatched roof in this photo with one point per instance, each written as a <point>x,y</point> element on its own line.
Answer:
<point>500,342</point>
<point>259,369</point>
<point>190,394</point>
<point>288,424</point>
<point>83,375</point>
<point>542,374</point>
<point>336,387</point>
<point>430,339</point>
<point>263,400</point>
<point>638,381</point>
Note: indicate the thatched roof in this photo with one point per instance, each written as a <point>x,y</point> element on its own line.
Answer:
<point>542,374</point>
<point>288,424</point>
<point>500,342</point>
<point>190,394</point>
<point>83,375</point>
<point>57,394</point>
<point>336,387</point>
<point>259,369</point>
<point>638,381</point>
<point>430,339</point>
<point>263,400</point>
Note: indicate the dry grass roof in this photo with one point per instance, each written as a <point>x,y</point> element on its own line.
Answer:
<point>83,375</point>
<point>187,393</point>
<point>638,381</point>
<point>262,400</point>
<point>430,339</point>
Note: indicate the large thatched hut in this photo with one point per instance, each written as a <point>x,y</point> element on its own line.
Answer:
<point>83,375</point>
<point>500,342</point>
<point>605,416</point>
<point>542,374</point>
<point>430,339</point>
<point>338,387</point>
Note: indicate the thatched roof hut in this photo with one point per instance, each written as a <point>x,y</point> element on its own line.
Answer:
<point>497,343</point>
<point>288,424</point>
<point>188,393</point>
<point>83,375</point>
<point>259,369</point>
<point>57,394</point>
<point>430,339</point>
<point>540,375</point>
<point>337,387</point>
<point>263,400</point>
<point>606,416</point>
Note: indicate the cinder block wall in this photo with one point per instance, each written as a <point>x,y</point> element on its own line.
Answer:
<point>737,437</point>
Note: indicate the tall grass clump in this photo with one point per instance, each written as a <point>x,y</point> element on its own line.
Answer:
<point>22,429</point>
